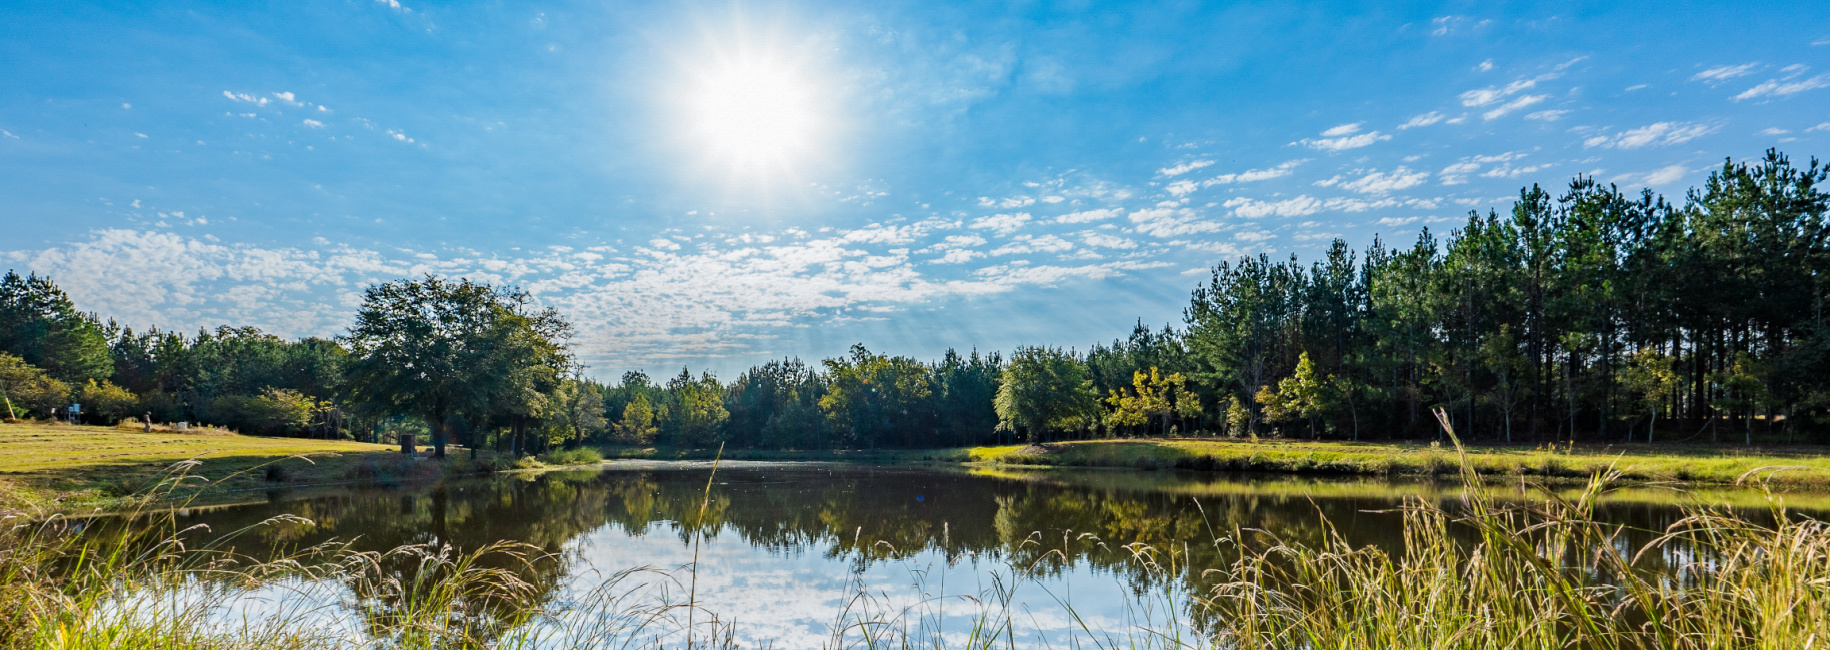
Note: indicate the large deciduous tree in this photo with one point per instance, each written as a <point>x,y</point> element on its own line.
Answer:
<point>436,348</point>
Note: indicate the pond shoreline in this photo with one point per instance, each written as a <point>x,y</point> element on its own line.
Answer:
<point>66,476</point>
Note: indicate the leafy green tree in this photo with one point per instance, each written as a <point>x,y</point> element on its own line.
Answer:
<point>1302,395</point>
<point>636,427</point>
<point>874,399</point>
<point>1045,391</point>
<point>436,349</point>
<point>583,402</point>
<point>1650,375</point>
<point>39,324</point>
<point>27,390</point>
<point>697,414</point>
<point>1153,395</point>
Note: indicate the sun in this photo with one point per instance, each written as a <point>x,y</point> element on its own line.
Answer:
<point>757,113</point>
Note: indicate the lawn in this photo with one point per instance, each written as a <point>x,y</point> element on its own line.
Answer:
<point>1699,464</point>
<point>68,466</point>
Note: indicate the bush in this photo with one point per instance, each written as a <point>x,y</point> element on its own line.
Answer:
<point>579,456</point>
<point>275,412</point>
<point>106,402</point>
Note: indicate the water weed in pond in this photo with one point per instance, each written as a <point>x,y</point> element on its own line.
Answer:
<point>1545,573</point>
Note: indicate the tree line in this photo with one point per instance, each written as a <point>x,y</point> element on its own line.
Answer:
<point>1590,315</point>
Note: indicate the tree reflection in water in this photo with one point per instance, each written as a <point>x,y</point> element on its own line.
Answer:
<point>1056,523</point>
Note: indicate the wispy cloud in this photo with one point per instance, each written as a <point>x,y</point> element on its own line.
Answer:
<point>1007,202</point>
<point>1661,133</point>
<point>1188,186</point>
<point>1513,105</point>
<point>1184,168</point>
<point>1725,72</point>
<point>1254,209</point>
<point>1338,138</point>
<point>1494,94</point>
<point>1547,116</point>
<point>245,97</point>
<point>1425,119</point>
<point>1002,224</point>
<point>1386,182</point>
<point>1780,88</point>
<point>1655,178</point>
<point>1087,216</point>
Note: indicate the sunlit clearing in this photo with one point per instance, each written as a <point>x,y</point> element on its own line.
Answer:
<point>755,114</point>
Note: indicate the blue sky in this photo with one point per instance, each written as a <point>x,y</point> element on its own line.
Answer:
<point>717,184</point>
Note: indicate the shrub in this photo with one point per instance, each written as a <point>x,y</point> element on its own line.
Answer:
<point>579,456</point>
<point>106,402</point>
<point>274,412</point>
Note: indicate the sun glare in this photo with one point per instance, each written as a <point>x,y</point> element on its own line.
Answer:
<point>755,114</point>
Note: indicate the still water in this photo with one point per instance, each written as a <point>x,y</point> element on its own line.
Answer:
<point>789,552</point>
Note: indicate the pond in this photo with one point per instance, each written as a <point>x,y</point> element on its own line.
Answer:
<point>789,553</point>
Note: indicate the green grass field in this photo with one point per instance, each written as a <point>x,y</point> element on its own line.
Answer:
<point>67,466</point>
<point>1682,463</point>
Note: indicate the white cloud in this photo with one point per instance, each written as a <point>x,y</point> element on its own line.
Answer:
<point>1667,175</point>
<point>288,97</point>
<point>1457,173</point>
<point>1821,127</point>
<point>1002,224</point>
<point>958,256</point>
<point>1086,216</point>
<point>1345,142</point>
<point>245,97</point>
<point>1184,168</point>
<point>1006,203</point>
<point>313,124</point>
<point>1024,244</point>
<point>1254,175</point>
<point>1425,119</point>
<point>1484,66</point>
<point>1397,221</point>
<point>1386,182</point>
<point>1661,176</point>
<point>1725,72</point>
<point>1171,222</point>
<point>657,302</point>
<point>1780,88</point>
<point>1182,187</point>
<point>1344,129</point>
<point>1773,131</point>
<point>1547,116</point>
<point>1660,133</point>
<point>1513,105</point>
<point>1446,25</point>
<point>1245,208</point>
<point>1102,240</point>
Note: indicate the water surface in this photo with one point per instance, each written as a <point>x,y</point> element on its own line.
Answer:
<point>788,551</point>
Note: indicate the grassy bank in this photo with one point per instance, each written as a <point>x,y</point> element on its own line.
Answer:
<point>72,467</point>
<point>1694,464</point>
